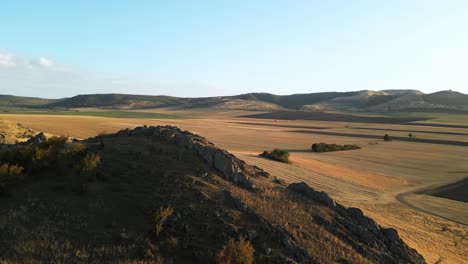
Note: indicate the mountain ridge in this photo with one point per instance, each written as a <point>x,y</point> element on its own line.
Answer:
<point>364,100</point>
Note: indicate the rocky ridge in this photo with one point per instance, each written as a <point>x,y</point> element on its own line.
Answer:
<point>230,166</point>
<point>382,245</point>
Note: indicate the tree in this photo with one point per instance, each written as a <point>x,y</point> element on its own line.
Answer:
<point>410,135</point>
<point>386,137</point>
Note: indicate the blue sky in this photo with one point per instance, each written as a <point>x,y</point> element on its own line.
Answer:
<point>204,48</point>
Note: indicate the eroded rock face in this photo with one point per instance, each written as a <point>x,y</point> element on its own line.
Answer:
<point>230,166</point>
<point>309,192</point>
<point>379,244</point>
<point>37,139</point>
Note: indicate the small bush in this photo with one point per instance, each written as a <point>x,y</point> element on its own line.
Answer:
<point>10,175</point>
<point>386,137</point>
<point>47,154</point>
<point>75,148</point>
<point>160,217</point>
<point>323,147</point>
<point>276,154</point>
<point>236,252</point>
<point>91,162</point>
<point>101,136</point>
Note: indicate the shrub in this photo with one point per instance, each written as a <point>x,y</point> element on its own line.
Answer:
<point>46,154</point>
<point>323,147</point>
<point>75,148</point>
<point>236,252</point>
<point>386,137</point>
<point>276,154</point>
<point>410,135</point>
<point>101,136</point>
<point>10,175</point>
<point>91,162</point>
<point>160,217</point>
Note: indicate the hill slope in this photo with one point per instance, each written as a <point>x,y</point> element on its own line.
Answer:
<point>162,194</point>
<point>364,101</point>
<point>20,101</point>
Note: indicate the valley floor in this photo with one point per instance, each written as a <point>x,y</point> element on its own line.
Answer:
<point>383,178</point>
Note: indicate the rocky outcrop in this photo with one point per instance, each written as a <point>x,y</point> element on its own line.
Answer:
<point>382,245</point>
<point>378,244</point>
<point>307,191</point>
<point>37,139</point>
<point>230,166</point>
<point>294,252</point>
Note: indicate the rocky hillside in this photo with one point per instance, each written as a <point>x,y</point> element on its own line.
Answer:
<point>162,195</point>
<point>364,101</point>
<point>11,133</point>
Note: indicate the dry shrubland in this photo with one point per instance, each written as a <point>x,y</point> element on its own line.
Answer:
<point>160,217</point>
<point>236,252</point>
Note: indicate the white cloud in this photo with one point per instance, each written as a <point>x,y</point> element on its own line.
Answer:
<point>7,60</point>
<point>44,77</point>
<point>44,62</point>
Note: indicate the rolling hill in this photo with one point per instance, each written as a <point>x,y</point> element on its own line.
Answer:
<point>358,101</point>
<point>20,101</point>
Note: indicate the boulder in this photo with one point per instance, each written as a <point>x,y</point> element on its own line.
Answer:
<point>305,190</point>
<point>37,139</point>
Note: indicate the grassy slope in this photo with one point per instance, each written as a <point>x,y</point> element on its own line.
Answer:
<point>109,100</point>
<point>447,98</point>
<point>19,101</point>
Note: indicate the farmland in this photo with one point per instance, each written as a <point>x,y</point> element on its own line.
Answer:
<point>385,179</point>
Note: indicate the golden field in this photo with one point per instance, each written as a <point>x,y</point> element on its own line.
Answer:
<point>382,178</point>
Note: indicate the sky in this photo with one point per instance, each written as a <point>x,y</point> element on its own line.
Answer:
<point>56,49</point>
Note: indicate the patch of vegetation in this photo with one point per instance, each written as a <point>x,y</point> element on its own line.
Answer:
<point>276,154</point>
<point>101,136</point>
<point>323,147</point>
<point>236,252</point>
<point>91,162</point>
<point>10,175</point>
<point>20,162</point>
<point>160,217</point>
<point>386,137</point>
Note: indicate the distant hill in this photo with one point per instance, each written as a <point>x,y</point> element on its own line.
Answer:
<point>451,98</point>
<point>117,101</point>
<point>19,101</point>
<point>358,101</point>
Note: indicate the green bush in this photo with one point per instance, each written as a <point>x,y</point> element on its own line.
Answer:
<point>323,147</point>
<point>276,154</point>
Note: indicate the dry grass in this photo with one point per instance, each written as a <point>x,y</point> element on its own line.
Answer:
<point>297,217</point>
<point>10,175</point>
<point>160,217</point>
<point>236,252</point>
<point>91,162</point>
